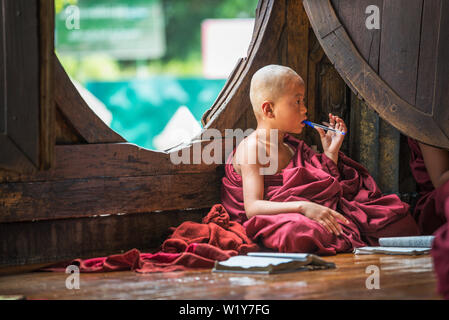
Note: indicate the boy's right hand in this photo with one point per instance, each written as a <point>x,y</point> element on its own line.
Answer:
<point>332,141</point>
<point>324,216</point>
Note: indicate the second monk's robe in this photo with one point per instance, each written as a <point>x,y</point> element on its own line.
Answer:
<point>428,213</point>
<point>432,215</point>
<point>346,188</point>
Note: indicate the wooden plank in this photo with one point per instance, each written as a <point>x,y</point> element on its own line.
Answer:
<point>282,47</point>
<point>76,110</point>
<point>56,240</point>
<point>297,39</point>
<point>90,197</point>
<point>442,80</point>
<point>325,20</point>
<point>428,52</point>
<point>112,160</point>
<point>399,47</point>
<point>352,15</point>
<point>46,102</point>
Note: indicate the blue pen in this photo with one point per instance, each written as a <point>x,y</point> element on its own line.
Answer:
<point>313,125</point>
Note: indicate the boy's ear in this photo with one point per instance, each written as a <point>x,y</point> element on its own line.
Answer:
<point>267,109</point>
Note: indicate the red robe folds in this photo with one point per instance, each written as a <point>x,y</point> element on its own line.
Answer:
<point>192,245</point>
<point>347,188</point>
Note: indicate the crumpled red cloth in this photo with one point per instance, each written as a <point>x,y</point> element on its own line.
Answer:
<point>347,188</point>
<point>216,230</point>
<point>427,216</point>
<point>192,245</point>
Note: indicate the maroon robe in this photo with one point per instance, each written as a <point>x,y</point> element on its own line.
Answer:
<point>428,218</point>
<point>432,214</point>
<point>192,245</point>
<point>347,188</point>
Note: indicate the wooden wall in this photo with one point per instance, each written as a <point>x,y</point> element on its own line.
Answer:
<point>104,195</point>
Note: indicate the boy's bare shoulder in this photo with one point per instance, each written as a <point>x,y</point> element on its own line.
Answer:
<point>246,152</point>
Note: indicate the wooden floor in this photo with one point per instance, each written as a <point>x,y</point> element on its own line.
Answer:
<point>401,277</point>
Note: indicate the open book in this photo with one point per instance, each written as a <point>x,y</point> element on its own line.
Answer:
<point>400,245</point>
<point>272,262</point>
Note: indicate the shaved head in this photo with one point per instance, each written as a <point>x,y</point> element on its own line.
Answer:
<point>268,84</point>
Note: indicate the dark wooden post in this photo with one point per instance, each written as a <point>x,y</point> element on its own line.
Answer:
<point>26,90</point>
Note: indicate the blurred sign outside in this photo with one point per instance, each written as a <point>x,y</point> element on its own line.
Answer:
<point>224,41</point>
<point>124,29</point>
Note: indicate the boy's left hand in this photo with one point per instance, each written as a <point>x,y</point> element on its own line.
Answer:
<point>330,140</point>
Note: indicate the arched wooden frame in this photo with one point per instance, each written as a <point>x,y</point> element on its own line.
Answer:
<point>363,80</point>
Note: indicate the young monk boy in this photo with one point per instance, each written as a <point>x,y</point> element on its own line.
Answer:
<point>318,203</point>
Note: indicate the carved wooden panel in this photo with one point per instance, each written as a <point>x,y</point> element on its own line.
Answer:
<point>391,89</point>
<point>332,96</point>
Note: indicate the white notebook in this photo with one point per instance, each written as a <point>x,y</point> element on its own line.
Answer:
<point>392,250</point>
<point>400,245</point>
<point>272,262</point>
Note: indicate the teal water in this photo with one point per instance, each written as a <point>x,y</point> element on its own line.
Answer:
<point>141,108</point>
